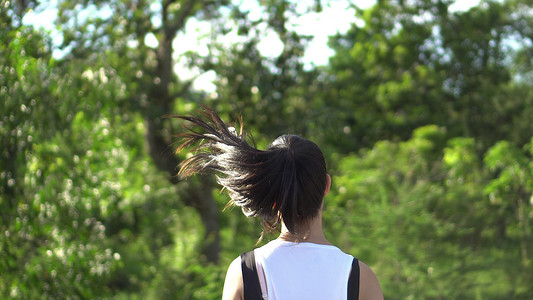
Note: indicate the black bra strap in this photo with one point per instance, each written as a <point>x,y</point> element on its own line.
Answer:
<point>252,289</point>
<point>353,281</point>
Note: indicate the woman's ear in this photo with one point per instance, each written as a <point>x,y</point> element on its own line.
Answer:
<point>328,185</point>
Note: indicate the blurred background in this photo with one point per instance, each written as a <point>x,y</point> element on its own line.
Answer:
<point>422,108</point>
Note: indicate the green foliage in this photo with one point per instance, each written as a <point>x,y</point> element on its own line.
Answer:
<point>438,216</point>
<point>425,127</point>
<point>416,63</point>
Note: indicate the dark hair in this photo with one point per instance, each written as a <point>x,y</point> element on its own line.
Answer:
<point>286,181</point>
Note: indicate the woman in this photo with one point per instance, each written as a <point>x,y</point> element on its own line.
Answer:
<point>284,186</point>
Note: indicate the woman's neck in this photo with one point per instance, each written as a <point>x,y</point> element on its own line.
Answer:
<point>314,234</point>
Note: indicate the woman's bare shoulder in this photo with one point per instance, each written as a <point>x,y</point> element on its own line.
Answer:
<point>369,284</point>
<point>233,285</point>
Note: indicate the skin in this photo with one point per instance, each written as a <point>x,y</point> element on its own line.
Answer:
<point>369,285</point>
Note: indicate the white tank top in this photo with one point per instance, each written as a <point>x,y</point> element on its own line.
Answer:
<point>304,270</point>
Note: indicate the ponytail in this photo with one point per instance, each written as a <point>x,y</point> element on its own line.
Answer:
<point>284,182</point>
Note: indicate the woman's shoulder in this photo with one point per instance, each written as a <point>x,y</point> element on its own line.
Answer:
<point>233,285</point>
<point>370,288</point>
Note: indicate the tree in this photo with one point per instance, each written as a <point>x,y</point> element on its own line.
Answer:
<point>271,93</point>
<point>52,245</point>
<point>151,84</point>
<point>439,215</point>
<point>418,63</point>
<point>437,210</point>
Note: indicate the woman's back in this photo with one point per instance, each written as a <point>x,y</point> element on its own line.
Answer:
<point>304,270</point>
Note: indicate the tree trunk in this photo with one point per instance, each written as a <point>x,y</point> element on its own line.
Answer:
<point>199,195</point>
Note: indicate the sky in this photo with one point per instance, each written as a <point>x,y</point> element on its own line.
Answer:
<point>336,16</point>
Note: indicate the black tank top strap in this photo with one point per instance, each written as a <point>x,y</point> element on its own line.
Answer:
<point>353,281</point>
<point>252,288</point>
